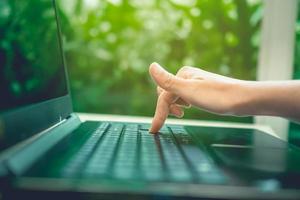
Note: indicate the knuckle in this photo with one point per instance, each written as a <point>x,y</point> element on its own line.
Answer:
<point>183,71</point>
<point>168,83</point>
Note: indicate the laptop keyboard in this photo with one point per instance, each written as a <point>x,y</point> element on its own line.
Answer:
<point>130,152</point>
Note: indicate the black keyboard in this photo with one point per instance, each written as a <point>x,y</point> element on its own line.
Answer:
<point>130,152</point>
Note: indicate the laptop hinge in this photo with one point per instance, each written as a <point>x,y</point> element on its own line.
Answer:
<point>22,159</point>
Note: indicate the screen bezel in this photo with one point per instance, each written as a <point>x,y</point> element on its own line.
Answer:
<point>22,122</point>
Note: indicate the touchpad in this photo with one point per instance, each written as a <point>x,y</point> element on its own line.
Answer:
<point>258,158</point>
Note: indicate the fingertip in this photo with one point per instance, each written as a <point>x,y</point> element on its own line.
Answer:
<point>154,63</point>
<point>156,71</point>
<point>156,124</point>
<point>152,67</point>
<point>153,129</point>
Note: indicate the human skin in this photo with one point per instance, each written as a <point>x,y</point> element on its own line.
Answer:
<point>221,95</point>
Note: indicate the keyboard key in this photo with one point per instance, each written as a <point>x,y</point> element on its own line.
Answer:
<point>145,127</point>
<point>123,173</point>
<point>131,128</point>
<point>181,175</point>
<point>152,174</point>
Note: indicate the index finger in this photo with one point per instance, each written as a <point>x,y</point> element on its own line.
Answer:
<point>162,110</point>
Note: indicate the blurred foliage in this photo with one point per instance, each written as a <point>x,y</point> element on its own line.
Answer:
<point>110,44</point>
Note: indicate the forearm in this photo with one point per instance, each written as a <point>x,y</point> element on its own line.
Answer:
<point>273,98</point>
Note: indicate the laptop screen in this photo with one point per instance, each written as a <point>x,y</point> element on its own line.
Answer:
<point>31,65</point>
<point>33,84</point>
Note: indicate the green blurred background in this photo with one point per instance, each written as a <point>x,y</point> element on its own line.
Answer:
<point>110,44</point>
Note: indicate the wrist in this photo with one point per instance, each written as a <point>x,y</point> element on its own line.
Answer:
<point>255,98</point>
<point>270,98</point>
<point>245,98</point>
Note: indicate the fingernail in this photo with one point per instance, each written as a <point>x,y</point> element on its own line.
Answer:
<point>178,115</point>
<point>181,115</point>
<point>154,63</point>
<point>157,69</point>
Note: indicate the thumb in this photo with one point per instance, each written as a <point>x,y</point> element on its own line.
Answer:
<point>166,80</point>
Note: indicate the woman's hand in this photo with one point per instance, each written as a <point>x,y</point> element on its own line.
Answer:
<point>196,87</point>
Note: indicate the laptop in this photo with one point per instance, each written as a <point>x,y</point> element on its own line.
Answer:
<point>46,152</point>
